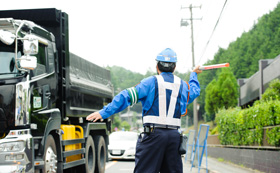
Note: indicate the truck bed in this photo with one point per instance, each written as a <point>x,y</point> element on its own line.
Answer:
<point>88,76</point>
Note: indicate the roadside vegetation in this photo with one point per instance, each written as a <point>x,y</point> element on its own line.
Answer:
<point>238,126</point>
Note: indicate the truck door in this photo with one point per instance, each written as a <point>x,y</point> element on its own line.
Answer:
<point>43,87</point>
<point>41,91</point>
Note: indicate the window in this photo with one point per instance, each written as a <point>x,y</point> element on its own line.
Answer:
<point>7,57</point>
<point>41,61</point>
<point>51,57</point>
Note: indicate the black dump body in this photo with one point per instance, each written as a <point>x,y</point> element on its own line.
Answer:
<point>83,86</point>
<point>90,87</point>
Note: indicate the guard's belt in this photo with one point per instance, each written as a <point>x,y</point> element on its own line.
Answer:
<point>149,128</point>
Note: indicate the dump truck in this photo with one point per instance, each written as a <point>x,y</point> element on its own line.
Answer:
<point>46,92</point>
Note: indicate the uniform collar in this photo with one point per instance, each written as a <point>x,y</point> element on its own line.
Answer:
<point>166,73</point>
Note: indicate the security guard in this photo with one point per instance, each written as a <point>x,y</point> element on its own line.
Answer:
<point>164,99</point>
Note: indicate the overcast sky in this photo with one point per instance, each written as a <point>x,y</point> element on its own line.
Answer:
<point>130,33</point>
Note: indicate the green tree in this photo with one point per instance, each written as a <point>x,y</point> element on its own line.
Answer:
<point>228,89</point>
<point>125,125</point>
<point>220,94</point>
<point>116,122</point>
<point>212,100</point>
<point>204,79</point>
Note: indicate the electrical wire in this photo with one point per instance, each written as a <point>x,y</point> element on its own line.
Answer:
<point>204,50</point>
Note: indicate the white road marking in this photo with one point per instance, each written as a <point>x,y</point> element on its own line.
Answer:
<point>110,164</point>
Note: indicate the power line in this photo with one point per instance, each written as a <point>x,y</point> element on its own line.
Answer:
<point>185,23</point>
<point>204,50</point>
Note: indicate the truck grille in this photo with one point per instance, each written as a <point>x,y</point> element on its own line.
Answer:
<point>116,154</point>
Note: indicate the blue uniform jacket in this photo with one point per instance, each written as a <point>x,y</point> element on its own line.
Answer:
<point>146,93</point>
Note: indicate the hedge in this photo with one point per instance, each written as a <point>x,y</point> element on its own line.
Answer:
<point>238,126</point>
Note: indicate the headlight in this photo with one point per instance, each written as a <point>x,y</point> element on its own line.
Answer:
<point>11,147</point>
<point>12,157</point>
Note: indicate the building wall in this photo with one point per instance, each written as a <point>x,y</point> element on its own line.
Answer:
<point>262,160</point>
<point>252,88</point>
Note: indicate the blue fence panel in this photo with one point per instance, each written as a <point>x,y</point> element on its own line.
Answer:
<point>201,146</point>
<point>190,145</point>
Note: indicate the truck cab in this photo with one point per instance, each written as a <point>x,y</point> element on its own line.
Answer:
<point>46,92</point>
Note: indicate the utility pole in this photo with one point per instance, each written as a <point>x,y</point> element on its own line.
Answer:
<point>185,23</point>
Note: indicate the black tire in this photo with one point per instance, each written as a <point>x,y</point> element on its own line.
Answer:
<point>50,156</point>
<point>90,155</point>
<point>100,147</point>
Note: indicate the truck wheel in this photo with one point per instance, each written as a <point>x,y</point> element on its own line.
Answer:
<point>100,147</point>
<point>90,155</point>
<point>50,156</point>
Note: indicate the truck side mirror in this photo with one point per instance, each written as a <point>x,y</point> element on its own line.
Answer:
<point>28,62</point>
<point>30,45</point>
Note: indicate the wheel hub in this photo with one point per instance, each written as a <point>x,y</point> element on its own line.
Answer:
<point>50,161</point>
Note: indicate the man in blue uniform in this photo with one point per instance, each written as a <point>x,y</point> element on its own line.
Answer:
<point>164,99</point>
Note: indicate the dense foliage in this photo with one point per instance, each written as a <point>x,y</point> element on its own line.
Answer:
<point>261,42</point>
<point>245,127</point>
<point>273,91</point>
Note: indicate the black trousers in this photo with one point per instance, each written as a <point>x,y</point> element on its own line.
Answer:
<point>158,152</point>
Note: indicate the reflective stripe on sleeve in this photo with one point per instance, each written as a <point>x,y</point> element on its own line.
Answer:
<point>133,94</point>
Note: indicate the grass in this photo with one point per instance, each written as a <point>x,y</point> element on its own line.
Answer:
<point>221,159</point>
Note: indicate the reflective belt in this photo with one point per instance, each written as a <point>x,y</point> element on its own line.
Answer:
<point>161,120</point>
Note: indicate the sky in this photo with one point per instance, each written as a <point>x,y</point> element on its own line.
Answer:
<point>131,33</point>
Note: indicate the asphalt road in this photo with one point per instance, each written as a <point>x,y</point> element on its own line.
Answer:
<point>214,166</point>
<point>120,166</point>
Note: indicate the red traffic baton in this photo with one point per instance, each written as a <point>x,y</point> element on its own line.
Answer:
<point>208,67</point>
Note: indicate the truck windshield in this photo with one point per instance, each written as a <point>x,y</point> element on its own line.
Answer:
<point>7,62</point>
